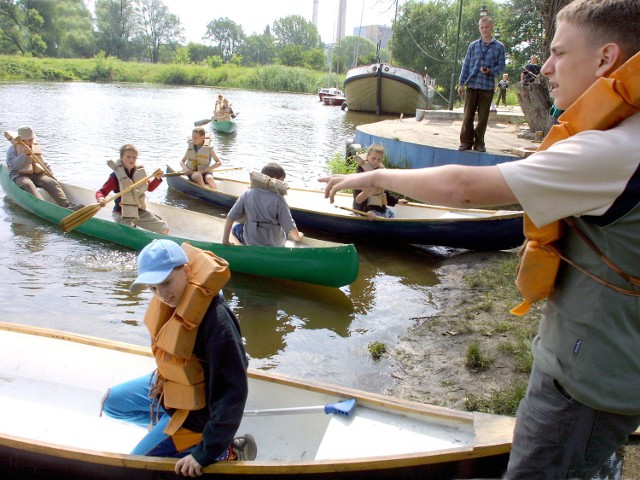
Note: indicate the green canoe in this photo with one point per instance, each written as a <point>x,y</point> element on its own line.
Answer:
<point>224,126</point>
<point>313,261</point>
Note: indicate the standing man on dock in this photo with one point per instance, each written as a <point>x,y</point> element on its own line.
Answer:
<point>484,62</point>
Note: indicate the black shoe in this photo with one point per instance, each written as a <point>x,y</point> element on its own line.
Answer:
<point>462,148</point>
<point>244,448</point>
<point>479,148</point>
<point>75,206</point>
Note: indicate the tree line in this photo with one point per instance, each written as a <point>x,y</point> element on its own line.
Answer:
<point>425,35</point>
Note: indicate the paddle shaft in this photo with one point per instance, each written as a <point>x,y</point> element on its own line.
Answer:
<point>220,170</point>
<point>359,212</point>
<point>30,152</point>
<point>284,411</point>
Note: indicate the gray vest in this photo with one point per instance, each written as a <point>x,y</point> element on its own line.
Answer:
<point>589,337</point>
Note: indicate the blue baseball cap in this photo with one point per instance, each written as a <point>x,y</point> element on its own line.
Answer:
<point>156,261</point>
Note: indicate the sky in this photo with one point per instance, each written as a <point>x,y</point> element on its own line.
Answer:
<point>255,15</point>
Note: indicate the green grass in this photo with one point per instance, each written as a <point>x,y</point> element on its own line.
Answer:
<point>273,78</point>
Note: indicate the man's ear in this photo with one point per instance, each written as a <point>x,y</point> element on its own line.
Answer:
<point>610,59</point>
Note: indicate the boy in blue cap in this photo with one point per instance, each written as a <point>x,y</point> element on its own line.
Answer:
<point>196,397</point>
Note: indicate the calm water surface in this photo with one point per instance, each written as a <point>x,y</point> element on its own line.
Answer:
<point>79,284</point>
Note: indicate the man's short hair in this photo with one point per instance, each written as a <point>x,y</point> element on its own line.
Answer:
<point>274,170</point>
<point>198,131</point>
<point>616,21</point>
<point>128,147</point>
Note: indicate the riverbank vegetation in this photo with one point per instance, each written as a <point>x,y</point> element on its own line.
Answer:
<point>427,36</point>
<point>272,78</point>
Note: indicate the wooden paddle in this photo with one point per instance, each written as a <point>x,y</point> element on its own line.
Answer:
<point>73,221</point>
<point>204,121</point>
<point>359,212</point>
<point>220,170</point>
<point>29,152</point>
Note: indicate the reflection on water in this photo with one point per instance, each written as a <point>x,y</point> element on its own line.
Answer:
<point>80,284</point>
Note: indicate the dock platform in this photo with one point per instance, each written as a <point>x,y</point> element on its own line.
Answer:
<point>434,140</point>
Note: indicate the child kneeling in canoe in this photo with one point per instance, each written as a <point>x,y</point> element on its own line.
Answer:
<point>131,208</point>
<point>265,215</point>
<point>195,399</point>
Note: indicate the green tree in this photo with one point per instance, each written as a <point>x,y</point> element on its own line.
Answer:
<point>292,56</point>
<point>258,49</point>
<point>347,54</point>
<point>227,35</point>
<point>117,23</point>
<point>68,29</point>
<point>198,52</point>
<point>21,28</point>
<point>295,30</point>
<point>159,27</point>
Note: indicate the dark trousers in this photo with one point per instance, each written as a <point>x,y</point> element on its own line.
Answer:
<point>480,101</point>
<point>502,95</point>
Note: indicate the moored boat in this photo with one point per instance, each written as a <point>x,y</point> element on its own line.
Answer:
<point>382,88</point>
<point>51,426</point>
<point>475,229</point>
<point>312,260</point>
<point>329,92</point>
<point>334,100</point>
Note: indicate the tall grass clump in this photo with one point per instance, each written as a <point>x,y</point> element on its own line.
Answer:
<point>278,78</point>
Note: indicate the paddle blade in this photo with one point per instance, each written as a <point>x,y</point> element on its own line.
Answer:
<point>345,407</point>
<point>199,123</point>
<point>71,222</point>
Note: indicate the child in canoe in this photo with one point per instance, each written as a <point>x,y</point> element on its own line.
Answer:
<point>377,204</point>
<point>131,208</point>
<point>265,215</point>
<point>197,159</point>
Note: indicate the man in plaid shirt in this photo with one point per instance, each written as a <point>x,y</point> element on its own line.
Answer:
<point>482,64</point>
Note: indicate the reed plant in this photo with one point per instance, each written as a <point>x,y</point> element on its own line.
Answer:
<point>103,68</point>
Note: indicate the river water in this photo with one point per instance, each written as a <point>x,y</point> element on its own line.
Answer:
<point>79,284</point>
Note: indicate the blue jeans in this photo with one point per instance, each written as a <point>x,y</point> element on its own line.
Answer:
<point>130,401</point>
<point>557,437</point>
<point>238,231</point>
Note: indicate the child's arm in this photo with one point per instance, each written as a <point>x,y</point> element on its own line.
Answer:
<point>227,231</point>
<point>295,234</point>
<point>183,164</point>
<point>210,168</point>
<point>108,187</point>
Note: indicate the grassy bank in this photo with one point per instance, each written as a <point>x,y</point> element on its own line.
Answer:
<point>272,78</point>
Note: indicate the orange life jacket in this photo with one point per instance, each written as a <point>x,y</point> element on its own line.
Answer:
<point>135,199</point>
<point>201,159</point>
<point>180,381</point>
<point>33,167</point>
<point>604,105</point>
<point>378,199</point>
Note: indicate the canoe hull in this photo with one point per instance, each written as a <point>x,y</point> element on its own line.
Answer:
<point>385,89</point>
<point>327,264</point>
<point>224,126</point>
<point>429,441</point>
<point>495,231</point>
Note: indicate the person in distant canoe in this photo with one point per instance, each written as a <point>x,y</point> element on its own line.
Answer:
<point>197,160</point>
<point>131,208</point>
<point>195,398</point>
<point>265,215</point>
<point>222,110</point>
<point>29,174</point>
<point>376,205</point>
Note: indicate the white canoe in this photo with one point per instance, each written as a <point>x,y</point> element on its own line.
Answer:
<point>52,383</point>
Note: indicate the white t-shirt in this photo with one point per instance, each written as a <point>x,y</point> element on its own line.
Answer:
<point>582,175</point>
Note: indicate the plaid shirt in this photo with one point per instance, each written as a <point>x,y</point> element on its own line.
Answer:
<point>479,54</point>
